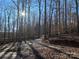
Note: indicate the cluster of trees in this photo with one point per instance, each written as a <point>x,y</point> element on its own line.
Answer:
<point>28,19</point>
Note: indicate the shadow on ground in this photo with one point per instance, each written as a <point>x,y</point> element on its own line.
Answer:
<point>36,53</point>
<point>70,43</point>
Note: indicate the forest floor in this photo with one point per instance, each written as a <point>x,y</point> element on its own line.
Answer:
<point>37,49</point>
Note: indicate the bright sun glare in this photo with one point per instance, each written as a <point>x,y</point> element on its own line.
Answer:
<point>23,13</point>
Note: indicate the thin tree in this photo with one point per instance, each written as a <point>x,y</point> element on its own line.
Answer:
<point>62,13</point>
<point>28,26</point>
<point>4,25</point>
<point>76,2</point>
<point>25,3</point>
<point>9,15</point>
<point>58,16</point>
<point>56,21</point>
<point>1,21</point>
<point>65,15</point>
<point>22,18</point>
<point>33,26</point>
<point>13,26</point>
<point>18,14</point>
<point>39,2</point>
<point>70,13</point>
<point>18,40</point>
<point>50,17</point>
<point>45,19</point>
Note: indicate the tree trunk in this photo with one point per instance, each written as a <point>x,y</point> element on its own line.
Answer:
<point>45,19</point>
<point>50,17</point>
<point>65,15</point>
<point>39,1</point>
<point>76,1</point>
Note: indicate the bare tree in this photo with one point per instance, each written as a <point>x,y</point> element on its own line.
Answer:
<point>4,24</point>
<point>56,17</point>
<point>39,2</point>
<point>50,17</point>
<point>33,26</point>
<point>17,33</point>
<point>45,14</point>
<point>25,3</point>
<point>59,16</point>
<point>76,2</point>
<point>18,14</point>
<point>70,14</point>
<point>0,24</point>
<point>13,25</point>
<point>28,25</point>
<point>22,19</point>
<point>9,15</point>
<point>65,15</point>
